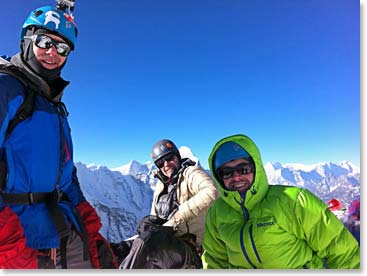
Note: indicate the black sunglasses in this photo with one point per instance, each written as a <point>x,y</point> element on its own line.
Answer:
<point>242,169</point>
<point>45,42</point>
<point>169,157</point>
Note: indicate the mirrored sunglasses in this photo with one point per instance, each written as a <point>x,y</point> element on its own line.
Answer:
<point>241,169</point>
<point>45,42</point>
<point>160,162</point>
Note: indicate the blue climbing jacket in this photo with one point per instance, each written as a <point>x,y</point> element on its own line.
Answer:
<point>38,155</point>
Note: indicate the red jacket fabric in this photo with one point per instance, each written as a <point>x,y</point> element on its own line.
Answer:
<point>100,252</point>
<point>13,250</point>
<point>15,254</point>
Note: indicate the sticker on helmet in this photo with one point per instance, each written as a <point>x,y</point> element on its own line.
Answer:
<point>69,18</point>
<point>52,16</point>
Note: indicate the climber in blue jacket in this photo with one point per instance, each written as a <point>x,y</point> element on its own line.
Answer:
<point>43,213</point>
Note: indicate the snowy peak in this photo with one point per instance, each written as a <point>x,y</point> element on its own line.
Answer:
<point>133,167</point>
<point>344,167</point>
<point>350,167</point>
<point>93,166</point>
<point>186,152</point>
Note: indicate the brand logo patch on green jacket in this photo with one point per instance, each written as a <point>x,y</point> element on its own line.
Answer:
<point>263,224</point>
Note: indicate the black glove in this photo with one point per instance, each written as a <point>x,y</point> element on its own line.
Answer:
<point>149,222</point>
<point>106,257</point>
<point>121,249</point>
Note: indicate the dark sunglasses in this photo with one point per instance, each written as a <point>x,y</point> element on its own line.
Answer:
<point>242,169</point>
<point>160,162</point>
<point>45,42</point>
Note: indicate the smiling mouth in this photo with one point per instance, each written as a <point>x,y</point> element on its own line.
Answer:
<point>239,185</point>
<point>49,62</point>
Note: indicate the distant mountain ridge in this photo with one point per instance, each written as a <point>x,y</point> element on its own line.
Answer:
<point>123,195</point>
<point>326,180</point>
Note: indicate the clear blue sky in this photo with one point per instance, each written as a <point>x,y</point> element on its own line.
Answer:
<point>284,72</point>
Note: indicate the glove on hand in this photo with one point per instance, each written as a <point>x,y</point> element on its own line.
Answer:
<point>121,249</point>
<point>149,222</point>
<point>174,221</point>
<point>100,252</point>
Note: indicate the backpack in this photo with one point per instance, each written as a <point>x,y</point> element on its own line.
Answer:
<point>157,246</point>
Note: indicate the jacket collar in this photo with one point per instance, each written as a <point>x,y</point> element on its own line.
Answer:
<point>39,84</point>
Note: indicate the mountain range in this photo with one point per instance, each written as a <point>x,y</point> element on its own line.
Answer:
<point>123,195</point>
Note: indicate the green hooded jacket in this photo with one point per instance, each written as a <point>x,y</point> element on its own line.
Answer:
<point>273,226</point>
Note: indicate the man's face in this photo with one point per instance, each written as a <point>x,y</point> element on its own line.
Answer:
<point>237,175</point>
<point>49,58</point>
<point>168,164</point>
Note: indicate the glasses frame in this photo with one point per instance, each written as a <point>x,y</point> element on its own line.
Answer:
<point>242,169</point>
<point>168,157</point>
<point>61,50</point>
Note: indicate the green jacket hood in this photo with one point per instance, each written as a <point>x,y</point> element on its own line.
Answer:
<point>260,185</point>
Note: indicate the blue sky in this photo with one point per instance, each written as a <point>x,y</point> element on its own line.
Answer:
<point>284,72</point>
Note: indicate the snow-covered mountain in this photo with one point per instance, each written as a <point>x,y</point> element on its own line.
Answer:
<point>123,195</point>
<point>326,180</point>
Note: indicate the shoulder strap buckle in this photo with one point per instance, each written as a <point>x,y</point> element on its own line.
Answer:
<point>30,198</point>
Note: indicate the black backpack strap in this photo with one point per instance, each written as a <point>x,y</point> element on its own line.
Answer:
<point>28,198</point>
<point>63,246</point>
<point>56,215</point>
<point>26,108</point>
<point>24,111</point>
<point>83,234</point>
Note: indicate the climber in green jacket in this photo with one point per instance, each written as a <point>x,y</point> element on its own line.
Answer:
<point>256,225</point>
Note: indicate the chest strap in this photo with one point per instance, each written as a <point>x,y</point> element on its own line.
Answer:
<point>27,198</point>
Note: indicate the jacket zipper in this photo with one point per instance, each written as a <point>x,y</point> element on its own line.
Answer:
<point>246,217</point>
<point>253,244</point>
<point>61,151</point>
<point>244,249</point>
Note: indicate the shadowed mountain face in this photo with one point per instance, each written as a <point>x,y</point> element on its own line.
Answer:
<point>120,198</point>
